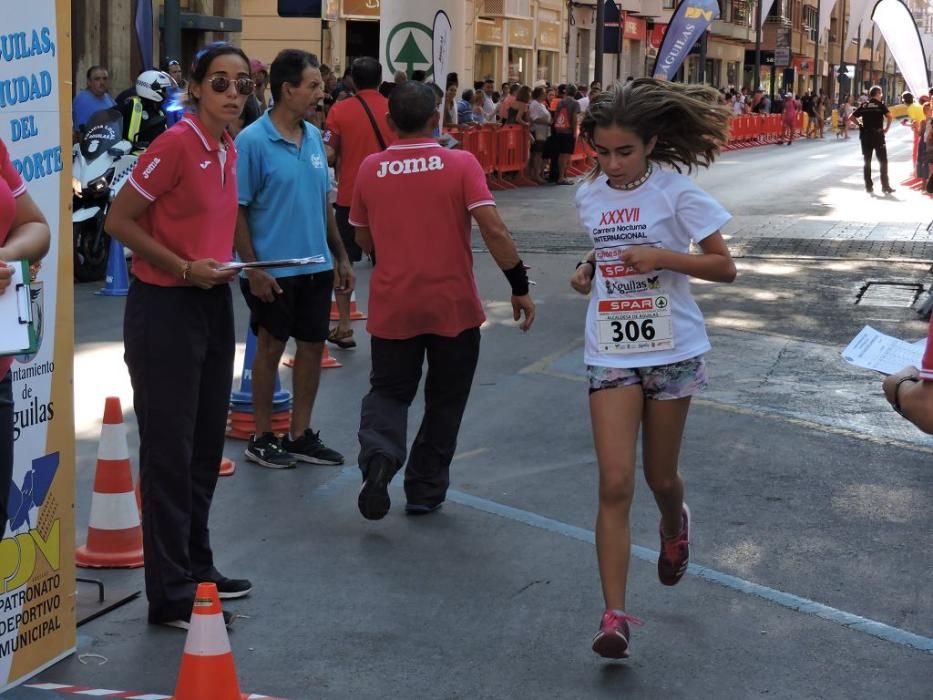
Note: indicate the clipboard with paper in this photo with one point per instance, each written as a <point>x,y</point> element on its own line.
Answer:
<point>17,327</point>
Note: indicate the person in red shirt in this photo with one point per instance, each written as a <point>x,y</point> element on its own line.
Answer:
<point>178,216</point>
<point>24,235</point>
<point>423,299</point>
<point>356,127</point>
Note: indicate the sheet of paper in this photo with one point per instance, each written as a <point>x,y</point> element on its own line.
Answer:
<point>15,313</point>
<point>872,349</point>
<point>266,264</point>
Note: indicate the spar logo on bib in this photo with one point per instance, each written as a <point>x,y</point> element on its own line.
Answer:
<point>617,270</point>
<point>628,305</point>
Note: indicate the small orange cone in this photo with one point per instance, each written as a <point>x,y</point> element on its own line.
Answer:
<point>227,467</point>
<point>207,668</point>
<point>114,535</point>
<point>328,362</point>
<point>355,313</point>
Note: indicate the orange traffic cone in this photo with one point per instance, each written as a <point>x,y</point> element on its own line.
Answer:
<point>227,467</point>
<point>355,313</point>
<point>207,668</point>
<point>328,362</point>
<point>114,535</point>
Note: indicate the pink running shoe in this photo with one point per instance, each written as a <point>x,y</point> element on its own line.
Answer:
<point>611,642</point>
<point>675,553</point>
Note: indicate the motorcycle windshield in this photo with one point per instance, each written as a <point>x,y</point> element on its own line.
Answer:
<point>103,130</point>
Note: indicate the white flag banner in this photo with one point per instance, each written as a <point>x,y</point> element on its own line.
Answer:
<point>901,35</point>
<point>859,10</point>
<point>826,11</point>
<point>440,44</point>
<point>765,9</point>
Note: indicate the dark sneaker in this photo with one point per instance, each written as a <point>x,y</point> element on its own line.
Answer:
<point>266,451</point>
<point>675,553</point>
<point>888,190</point>
<point>373,500</point>
<point>421,509</point>
<point>229,588</point>
<point>612,640</point>
<point>309,448</point>
<point>185,623</point>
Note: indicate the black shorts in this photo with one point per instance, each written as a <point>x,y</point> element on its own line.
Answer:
<point>564,144</point>
<point>347,233</point>
<point>301,311</point>
<point>539,146</point>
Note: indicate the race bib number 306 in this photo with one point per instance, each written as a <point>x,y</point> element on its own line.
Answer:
<point>640,324</point>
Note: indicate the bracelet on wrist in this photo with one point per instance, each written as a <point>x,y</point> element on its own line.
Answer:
<point>587,262</point>
<point>897,388</point>
<point>518,279</point>
<point>186,271</point>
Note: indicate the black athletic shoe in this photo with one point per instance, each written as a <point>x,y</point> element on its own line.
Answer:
<point>229,588</point>
<point>888,190</point>
<point>373,500</point>
<point>422,509</point>
<point>266,451</point>
<point>184,623</point>
<point>309,448</point>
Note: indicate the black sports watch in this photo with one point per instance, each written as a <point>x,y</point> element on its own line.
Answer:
<point>897,389</point>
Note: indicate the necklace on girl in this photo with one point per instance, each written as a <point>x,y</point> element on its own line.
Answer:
<point>634,183</point>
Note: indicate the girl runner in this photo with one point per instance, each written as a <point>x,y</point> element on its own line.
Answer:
<point>645,335</point>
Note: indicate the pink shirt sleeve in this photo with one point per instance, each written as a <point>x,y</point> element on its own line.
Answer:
<point>926,368</point>
<point>475,189</point>
<point>157,171</point>
<point>9,174</point>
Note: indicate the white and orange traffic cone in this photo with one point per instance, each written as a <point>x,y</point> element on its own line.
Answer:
<point>207,667</point>
<point>355,313</point>
<point>114,534</point>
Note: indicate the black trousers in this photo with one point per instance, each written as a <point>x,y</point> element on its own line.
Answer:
<point>179,350</point>
<point>396,372</point>
<point>876,145</point>
<point>6,448</point>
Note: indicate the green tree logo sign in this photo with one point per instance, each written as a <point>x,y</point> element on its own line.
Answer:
<point>408,48</point>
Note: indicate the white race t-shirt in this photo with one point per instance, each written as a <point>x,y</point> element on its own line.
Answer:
<point>636,320</point>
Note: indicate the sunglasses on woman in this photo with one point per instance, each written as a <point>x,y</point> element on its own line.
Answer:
<point>244,86</point>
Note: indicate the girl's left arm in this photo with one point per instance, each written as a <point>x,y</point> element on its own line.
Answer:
<point>713,264</point>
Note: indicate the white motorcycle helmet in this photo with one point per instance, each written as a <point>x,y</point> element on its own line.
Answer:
<point>153,85</point>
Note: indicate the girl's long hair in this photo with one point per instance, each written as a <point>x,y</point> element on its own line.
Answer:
<point>689,124</point>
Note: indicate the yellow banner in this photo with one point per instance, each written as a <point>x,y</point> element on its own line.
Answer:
<point>37,575</point>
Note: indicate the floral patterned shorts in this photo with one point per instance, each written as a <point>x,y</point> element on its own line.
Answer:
<point>673,381</point>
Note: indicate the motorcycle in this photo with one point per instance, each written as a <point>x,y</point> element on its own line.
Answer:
<point>102,161</point>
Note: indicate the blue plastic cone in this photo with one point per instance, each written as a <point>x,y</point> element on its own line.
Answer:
<point>244,397</point>
<point>118,279</point>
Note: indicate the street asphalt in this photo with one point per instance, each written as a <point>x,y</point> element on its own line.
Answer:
<point>811,499</point>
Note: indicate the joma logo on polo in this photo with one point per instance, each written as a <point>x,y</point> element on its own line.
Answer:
<point>149,168</point>
<point>619,216</point>
<point>409,165</point>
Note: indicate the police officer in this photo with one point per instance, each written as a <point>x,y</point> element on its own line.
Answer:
<point>874,120</point>
<point>143,117</point>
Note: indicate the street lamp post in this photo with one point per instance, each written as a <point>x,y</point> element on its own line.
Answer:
<point>757,76</point>
<point>173,29</point>
<point>600,31</point>
<point>842,44</point>
<point>816,51</point>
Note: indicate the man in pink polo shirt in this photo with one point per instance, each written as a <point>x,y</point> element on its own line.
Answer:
<point>910,391</point>
<point>423,299</point>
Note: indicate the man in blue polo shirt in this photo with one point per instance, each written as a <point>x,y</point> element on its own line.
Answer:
<point>92,99</point>
<point>283,185</point>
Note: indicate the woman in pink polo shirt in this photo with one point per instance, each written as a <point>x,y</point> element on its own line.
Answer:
<point>178,216</point>
<point>24,235</point>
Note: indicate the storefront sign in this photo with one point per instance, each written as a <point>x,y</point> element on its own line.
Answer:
<point>521,32</point>
<point>489,31</point>
<point>782,47</point>
<point>549,36</point>
<point>634,28</point>
<point>406,37</point>
<point>37,575</point>
<point>361,8</point>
